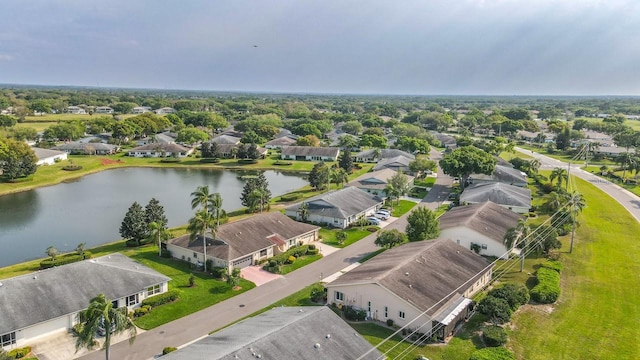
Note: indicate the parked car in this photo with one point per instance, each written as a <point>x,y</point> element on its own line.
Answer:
<point>382,215</point>
<point>385,211</point>
<point>373,220</point>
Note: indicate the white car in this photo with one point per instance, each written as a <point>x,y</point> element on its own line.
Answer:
<point>385,211</point>
<point>382,215</point>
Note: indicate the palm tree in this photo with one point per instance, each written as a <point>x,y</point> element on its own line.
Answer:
<point>159,232</point>
<point>258,198</point>
<point>198,225</point>
<point>201,197</point>
<point>376,153</point>
<point>624,159</point>
<point>102,314</point>
<point>303,211</point>
<point>339,176</point>
<point>561,175</point>
<point>590,148</point>
<point>534,166</point>
<point>215,207</point>
<point>555,202</point>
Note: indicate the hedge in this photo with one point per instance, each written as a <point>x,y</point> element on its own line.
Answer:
<point>553,265</point>
<point>64,259</point>
<point>210,160</point>
<point>492,353</point>
<point>19,353</point>
<point>168,349</point>
<point>170,160</point>
<point>290,197</point>
<point>158,300</point>
<point>547,290</point>
<point>494,336</point>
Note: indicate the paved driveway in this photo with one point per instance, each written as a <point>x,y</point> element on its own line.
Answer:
<point>257,275</point>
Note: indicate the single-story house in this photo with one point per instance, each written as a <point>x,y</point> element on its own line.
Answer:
<point>424,286</point>
<point>76,110</point>
<point>308,332</point>
<point>397,163</point>
<point>228,151</point>
<point>370,155</point>
<point>514,198</point>
<point>165,111</point>
<point>94,148</point>
<point>503,174</point>
<point>104,110</point>
<point>141,109</point>
<point>162,138</point>
<point>612,151</point>
<point>482,226</point>
<point>160,150</point>
<point>244,242</point>
<point>527,135</point>
<point>310,153</point>
<point>48,157</point>
<point>226,139</point>
<point>47,302</point>
<point>376,182</point>
<point>448,141</point>
<point>337,208</point>
<point>280,142</point>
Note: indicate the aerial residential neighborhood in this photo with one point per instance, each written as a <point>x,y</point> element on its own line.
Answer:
<point>300,180</point>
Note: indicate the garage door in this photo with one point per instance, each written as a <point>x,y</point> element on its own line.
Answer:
<point>243,263</point>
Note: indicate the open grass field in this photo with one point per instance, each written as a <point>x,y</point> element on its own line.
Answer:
<point>402,207</point>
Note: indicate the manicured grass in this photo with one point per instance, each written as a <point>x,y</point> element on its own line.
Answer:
<point>353,234</point>
<point>510,155</point>
<point>425,182</point>
<point>300,262</point>
<point>401,208</point>
<point>599,292</point>
<point>206,292</point>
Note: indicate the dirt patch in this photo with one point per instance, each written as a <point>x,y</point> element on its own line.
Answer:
<point>105,161</point>
<point>539,308</point>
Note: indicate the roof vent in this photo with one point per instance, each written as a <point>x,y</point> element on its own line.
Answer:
<point>316,345</point>
<point>410,286</point>
<point>328,336</point>
<point>259,356</point>
<point>1,284</point>
<point>35,277</point>
<point>407,274</point>
<point>458,251</point>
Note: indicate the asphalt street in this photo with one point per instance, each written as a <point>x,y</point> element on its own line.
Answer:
<point>197,325</point>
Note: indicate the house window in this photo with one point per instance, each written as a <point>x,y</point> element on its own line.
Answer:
<point>132,300</point>
<point>386,311</point>
<point>484,246</point>
<point>369,306</point>
<point>339,296</point>
<point>458,241</point>
<point>263,252</point>
<point>195,255</point>
<point>152,290</point>
<point>8,339</point>
<point>401,314</point>
<point>292,242</point>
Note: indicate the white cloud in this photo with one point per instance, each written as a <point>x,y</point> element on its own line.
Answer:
<point>6,57</point>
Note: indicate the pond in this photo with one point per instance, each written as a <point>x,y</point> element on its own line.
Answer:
<point>90,209</point>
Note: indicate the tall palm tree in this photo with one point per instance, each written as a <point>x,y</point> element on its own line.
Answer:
<point>376,153</point>
<point>555,202</point>
<point>339,176</point>
<point>199,224</point>
<point>561,175</point>
<point>201,197</point>
<point>534,166</point>
<point>590,148</point>
<point>258,198</point>
<point>624,159</point>
<point>101,313</point>
<point>215,207</point>
<point>158,232</point>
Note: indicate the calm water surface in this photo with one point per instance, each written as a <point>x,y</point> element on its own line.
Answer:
<point>91,209</point>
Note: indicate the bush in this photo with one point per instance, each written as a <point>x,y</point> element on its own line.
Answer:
<point>290,197</point>
<point>131,243</point>
<point>313,252</point>
<point>492,353</point>
<point>217,272</point>
<point>553,265</point>
<point>165,253</point>
<point>20,352</point>
<point>247,161</point>
<point>547,187</point>
<point>141,311</point>
<point>291,259</point>
<point>496,309</point>
<point>170,160</point>
<point>210,160</point>
<point>494,336</point>
<point>64,259</point>
<point>515,295</point>
<point>168,349</point>
<point>282,163</point>
<point>547,290</point>
<point>389,322</point>
<point>72,167</point>
<point>157,300</point>
<point>312,247</point>
<point>354,315</point>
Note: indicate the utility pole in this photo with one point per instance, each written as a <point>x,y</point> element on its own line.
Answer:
<point>522,252</point>
<point>568,174</point>
<point>573,221</point>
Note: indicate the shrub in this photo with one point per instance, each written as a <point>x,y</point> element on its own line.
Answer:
<point>547,290</point>
<point>354,315</point>
<point>217,272</point>
<point>318,293</point>
<point>495,308</point>
<point>170,160</point>
<point>515,295</point>
<point>210,160</point>
<point>312,247</point>
<point>64,259</point>
<point>131,243</point>
<point>141,311</point>
<point>282,163</point>
<point>290,197</point>
<point>492,353</point>
<point>192,280</point>
<point>291,259</point>
<point>20,352</point>
<point>72,167</point>
<point>168,349</point>
<point>553,265</point>
<point>389,322</point>
<point>313,251</point>
<point>165,253</point>
<point>247,161</point>
<point>494,336</point>
<point>547,187</point>
<point>157,300</point>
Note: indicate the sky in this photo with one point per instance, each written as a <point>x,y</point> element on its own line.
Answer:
<point>429,47</point>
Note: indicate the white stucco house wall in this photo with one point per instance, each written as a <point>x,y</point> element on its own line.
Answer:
<point>47,302</point>
<point>310,153</point>
<point>483,224</point>
<point>160,150</point>
<point>49,157</point>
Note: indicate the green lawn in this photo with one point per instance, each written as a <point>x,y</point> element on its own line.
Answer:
<point>353,234</point>
<point>599,299</point>
<point>300,262</point>
<point>401,208</point>
<point>425,182</point>
<point>206,292</point>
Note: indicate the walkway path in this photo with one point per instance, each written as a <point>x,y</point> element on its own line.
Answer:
<point>199,324</point>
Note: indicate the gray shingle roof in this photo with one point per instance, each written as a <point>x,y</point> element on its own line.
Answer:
<point>226,139</point>
<point>503,174</point>
<point>310,151</point>
<point>376,179</point>
<point>46,153</point>
<point>394,162</point>
<point>243,237</point>
<point>47,294</point>
<point>282,141</point>
<point>283,333</point>
<point>384,154</point>
<point>76,146</point>
<point>487,218</point>
<point>422,273</point>
<point>340,204</point>
<point>166,147</point>
<point>499,193</point>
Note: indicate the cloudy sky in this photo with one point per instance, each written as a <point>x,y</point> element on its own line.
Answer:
<point>433,47</point>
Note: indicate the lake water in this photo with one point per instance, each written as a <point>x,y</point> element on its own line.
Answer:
<point>91,209</point>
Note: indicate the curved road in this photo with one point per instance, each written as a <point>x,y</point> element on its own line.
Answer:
<point>630,201</point>
<point>199,324</point>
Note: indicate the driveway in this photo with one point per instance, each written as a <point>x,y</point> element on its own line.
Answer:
<point>257,275</point>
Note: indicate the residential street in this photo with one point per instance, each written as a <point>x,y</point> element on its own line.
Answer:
<point>199,324</point>
<point>626,198</point>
